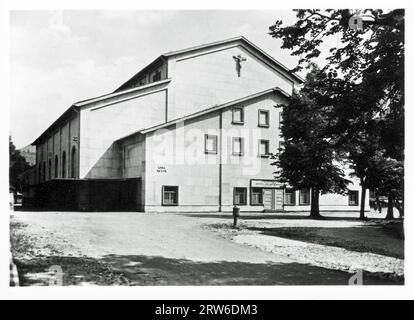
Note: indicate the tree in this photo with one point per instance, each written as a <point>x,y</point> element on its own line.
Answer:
<point>309,158</point>
<point>17,165</point>
<point>366,71</point>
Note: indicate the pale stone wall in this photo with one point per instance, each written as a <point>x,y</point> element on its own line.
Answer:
<point>133,150</point>
<point>197,174</point>
<point>59,141</point>
<point>240,170</point>
<point>202,81</point>
<point>102,124</point>
<point>133,160</point>
<point>186,165</point>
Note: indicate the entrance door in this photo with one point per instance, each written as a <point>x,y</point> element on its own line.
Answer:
<point>278,199</point>
<point>273,199</point>
<point>268,199</point>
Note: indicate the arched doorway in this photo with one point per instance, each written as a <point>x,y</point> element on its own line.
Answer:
<point>49,169</point>
<point>56,166</point>
<point>64,164</point>
<point>73,163</point>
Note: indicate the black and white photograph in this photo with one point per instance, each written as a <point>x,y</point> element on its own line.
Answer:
<point>197,148</point>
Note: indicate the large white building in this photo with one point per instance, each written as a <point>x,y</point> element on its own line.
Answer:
<point>195,129</point>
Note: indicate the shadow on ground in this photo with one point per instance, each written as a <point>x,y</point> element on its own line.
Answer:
<point>155,270</point>
<point>367,238</point>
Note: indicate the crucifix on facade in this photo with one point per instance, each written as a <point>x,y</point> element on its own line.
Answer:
<point>239,59</point>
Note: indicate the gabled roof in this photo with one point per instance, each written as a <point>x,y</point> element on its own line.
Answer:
<point>74,108</point>
<point>240,39</point>
<point>209,110</point>
<point>115,94</point>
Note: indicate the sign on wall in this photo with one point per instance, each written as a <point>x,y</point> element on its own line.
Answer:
<point>265,184</point>
<point>161,169</point>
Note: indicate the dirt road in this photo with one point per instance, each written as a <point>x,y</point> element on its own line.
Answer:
<point>132,248</point>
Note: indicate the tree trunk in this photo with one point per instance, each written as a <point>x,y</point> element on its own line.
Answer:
<point>390,209</point>
<point>315,203</point>
<point>400,208</point>
<point>362,207</point>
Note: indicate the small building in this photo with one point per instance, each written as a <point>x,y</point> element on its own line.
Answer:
<point>195,130</point>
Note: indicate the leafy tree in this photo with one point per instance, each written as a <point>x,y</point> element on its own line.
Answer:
<point>365,74</point>
<point>17,166</point>
<point>309,158</point>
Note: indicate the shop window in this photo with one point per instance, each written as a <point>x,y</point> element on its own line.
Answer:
<point>353,198</point>
<point>304,197</point>
<point>240,196</point>
<point>289,199</point>
<point>257,196</point>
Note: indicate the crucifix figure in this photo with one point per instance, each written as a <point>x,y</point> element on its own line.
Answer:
<point>239,59</point>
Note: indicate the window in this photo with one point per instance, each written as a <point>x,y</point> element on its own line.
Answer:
<point>353,198</point>
<point>72,163</point>
<point>156,76</point>
<point>56,166</point>
<point>304,196</point>
<point>257,196</point>
<point>238,146</point>
<point>240,196</point>
<point>238,115</point>
<point>49,169</point>
<point>290,199</point>
<point>64,164</point>
<point>263,148</point>
<point>210,143</point>
<point>169,195</point>
<point>44,171</point>
<point>263,118</point>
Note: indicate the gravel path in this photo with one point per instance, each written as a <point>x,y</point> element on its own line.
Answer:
<point>335,244</point>
<point>131,248</point>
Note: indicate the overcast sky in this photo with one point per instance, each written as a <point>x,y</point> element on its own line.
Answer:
<point>60,58</point>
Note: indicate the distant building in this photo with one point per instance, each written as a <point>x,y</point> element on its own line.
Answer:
<point>29,153</point>
<point>195,129</point>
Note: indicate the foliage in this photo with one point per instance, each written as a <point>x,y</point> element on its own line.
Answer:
<point>309,157</point>
<point>17,166</point>
<point>363,85</point>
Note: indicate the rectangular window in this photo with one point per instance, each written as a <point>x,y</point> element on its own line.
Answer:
<point>263,148</point>
<point>238,146</point>
<point>257,196</point>
<point>210,144</point>
<point>264,118</point>
<point>240,196</point>
<point>304,197</point>
<point>290,199</point>
<point>238,115</point>
<point>353,198</point>
<point>169,195</point>
<point>156,76</point>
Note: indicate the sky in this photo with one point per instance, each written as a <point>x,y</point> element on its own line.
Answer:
<point>60,57</point>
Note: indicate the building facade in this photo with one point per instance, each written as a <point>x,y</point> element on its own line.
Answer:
<point>199,127</point>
